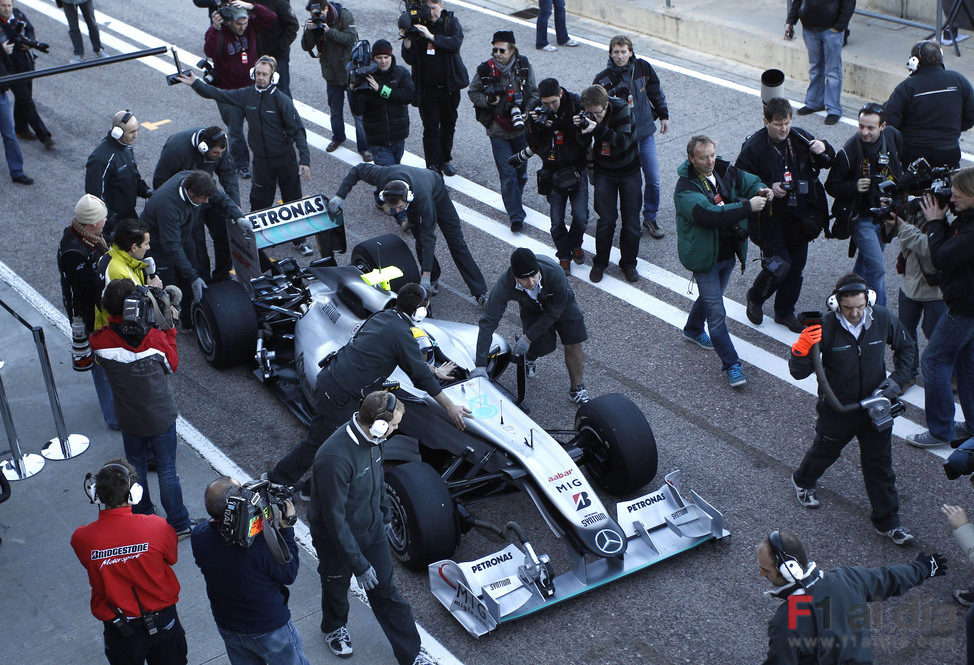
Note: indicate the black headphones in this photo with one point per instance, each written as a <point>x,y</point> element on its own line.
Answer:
<point>845,289</point>
<point>135,489</point>
<point>787,565</point>
<point>201,143</point>
<point>380,426</point>
<point>118,128</point>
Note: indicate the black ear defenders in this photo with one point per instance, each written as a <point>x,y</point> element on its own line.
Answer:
<point>135,489</point>
<point>201,143</point>
<point>118,128</point>
<point>380,426</point>
<point>396,189</point>
<point>854,287</point>
<point>788,565</point>
<point>268,60</point>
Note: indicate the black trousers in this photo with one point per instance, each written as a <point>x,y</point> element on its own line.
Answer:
<point>216,223</point>
<point>334,406</point>
<point>269,173</point>
<point>449,222</point>
<point>26,117</point>
<point>832,432</point>
<point>392,612</point>
<point>438,110</point>
<point>782,264</point>
<point>166,647</point>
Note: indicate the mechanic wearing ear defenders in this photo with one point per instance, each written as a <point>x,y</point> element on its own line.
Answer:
<point>383,342</point>
<point>348,516</point>
<point>129,559</point>
<point>111,173</point>
<point>800,631</point>
<point>853,339</point>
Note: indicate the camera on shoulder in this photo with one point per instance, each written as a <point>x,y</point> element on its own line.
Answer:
<point>149,307</point>
<point>254,507</point>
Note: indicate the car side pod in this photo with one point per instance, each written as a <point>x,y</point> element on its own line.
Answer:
<point>514,582</point>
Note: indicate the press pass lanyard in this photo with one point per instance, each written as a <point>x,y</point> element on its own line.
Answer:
<point>788,156</point>
<point>712,190</point>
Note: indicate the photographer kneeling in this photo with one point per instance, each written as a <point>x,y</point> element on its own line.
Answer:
<point>246,582</point>
<point>137,350</point>
<point>951,345</point>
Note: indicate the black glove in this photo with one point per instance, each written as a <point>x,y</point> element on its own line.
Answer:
<point>519,158</point>
<point>934,565</point>
<point>889,389</point>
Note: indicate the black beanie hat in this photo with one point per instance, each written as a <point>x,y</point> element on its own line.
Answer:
<point>381,47</point>
<point>503,36</point>
<point>523,262</point>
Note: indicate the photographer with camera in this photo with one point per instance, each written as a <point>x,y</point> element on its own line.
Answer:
<point>852,339</point>
<point>431,40</point>
<point>172,215</point>
<point>329,35</point>
<point>931,108</point>
<point>634,80</point>
<point>17,30</point>
<point>563,176</point>
<point>129,559</point>
<point>245,582</point>
<point>867,159</point>
<point>349,517</point>
<point>502,90</point>
<point>203,149</point>
<point>231,43</point>
<point>11,147</point>
<point>790,159</point>
<point>137,350</point>
<point>713,200</point>
<point>951,347</point>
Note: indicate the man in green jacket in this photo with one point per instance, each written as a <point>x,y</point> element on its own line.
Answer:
<point>713,200</point>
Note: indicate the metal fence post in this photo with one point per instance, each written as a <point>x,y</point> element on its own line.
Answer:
<point>63,446</point>
<point>20,466</point>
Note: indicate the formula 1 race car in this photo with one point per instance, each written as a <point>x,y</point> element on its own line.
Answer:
<point>289,319</point>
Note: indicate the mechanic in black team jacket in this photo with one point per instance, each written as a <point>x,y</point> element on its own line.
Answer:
<point>383,342</point>
<point>111,173</point>
<point>423,195</point>
<point>541,289</point>
<point>853,339</point>
<point>822,620</point>
<point>274,130</point>
<point>349,516</point>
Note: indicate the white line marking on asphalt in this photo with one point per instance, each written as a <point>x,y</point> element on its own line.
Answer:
<point>748,352</point>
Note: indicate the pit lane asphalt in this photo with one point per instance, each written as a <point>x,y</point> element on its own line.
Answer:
<point>734,447</point>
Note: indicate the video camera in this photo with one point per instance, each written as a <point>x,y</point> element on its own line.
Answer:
<point>417,13</point>
<point>149,307</point>
<point>225,10</point>
<point>905,193</point>
<point>360,65</point>
<point>257,506</point>
<point>20,38</point>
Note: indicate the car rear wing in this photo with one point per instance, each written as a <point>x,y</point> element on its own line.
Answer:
<point>287,223</point>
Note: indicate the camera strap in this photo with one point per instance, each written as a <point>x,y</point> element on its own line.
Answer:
<point>166,317</point>
<point>274,538</point>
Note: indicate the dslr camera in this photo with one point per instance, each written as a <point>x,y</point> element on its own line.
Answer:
<point>149,307</point>
<point>906,192</point>
<point>318,16</point>
<point>543,115</point>
<point>20,38</point>
<point>589,118</point>
<point>256,506</point>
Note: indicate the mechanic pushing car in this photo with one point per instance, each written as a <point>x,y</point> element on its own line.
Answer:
<point>541,289</point>
<point>383,341</point>
<point>423,195</point>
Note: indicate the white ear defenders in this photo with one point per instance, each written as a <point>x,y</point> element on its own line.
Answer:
<point>397,188</point>
<point>118,129</point>
<point>380,426</point>
<point>788,565</point>
<point>201,143</point>
<point>855,287</point>
<point>266,59</point>
<point>135,489</point>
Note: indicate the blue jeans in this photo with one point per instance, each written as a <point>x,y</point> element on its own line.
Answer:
<point>628,189</point>
<point>336,108</point>
<point>163,448</point>
<point>567,239</point>
<point>709,307</point>
<point>513,178</point>
<point>278,647</point>
<point>233,118</point>
<point>11,147</point>
<point>951,347</point>
<point>104,391</point>
<point>389,155</point>
<point>869,260</point>
<point>910,311</point>
<point>561,25</point>
<point>649,164</point>
<point>824,70</point>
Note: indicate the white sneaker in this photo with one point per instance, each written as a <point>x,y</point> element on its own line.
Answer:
<point>423,658</point>
<point>75,59</point>
<point>340,642</point>
<point>531,368</point>
<point>578,394</point>
<point>806,497</point>
<point>549,48</point>
<point>570,42</point>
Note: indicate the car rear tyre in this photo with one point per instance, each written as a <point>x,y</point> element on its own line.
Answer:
<point>226,324</point>
<point>620,449</point>
<point>385,251</point>
<point>424,523</point>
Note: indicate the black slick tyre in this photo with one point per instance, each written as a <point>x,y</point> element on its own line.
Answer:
<point>226,324</point>
<point>424,522</point>
<point>620,448</point>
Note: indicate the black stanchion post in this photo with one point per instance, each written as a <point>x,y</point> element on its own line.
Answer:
<point>63,446</point>
<point>19,466</point>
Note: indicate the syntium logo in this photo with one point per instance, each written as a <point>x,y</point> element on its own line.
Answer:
<point>581,500</point>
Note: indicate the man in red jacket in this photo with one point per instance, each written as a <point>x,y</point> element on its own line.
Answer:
<point>232,46</point>
<point>129,560</point>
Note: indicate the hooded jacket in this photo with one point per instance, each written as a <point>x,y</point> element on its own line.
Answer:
<point>931,108</point>
<point>699,219</point>
<point>952,252</point>
<point>234,56</point>
<point>180,154</point>
<point>638,79</point>
<point>333,46</point>
<point>385,112</point>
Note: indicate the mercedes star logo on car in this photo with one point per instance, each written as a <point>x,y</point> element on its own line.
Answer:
<point>608,541</point>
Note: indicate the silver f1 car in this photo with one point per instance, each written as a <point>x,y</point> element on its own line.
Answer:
<point>289,319</point>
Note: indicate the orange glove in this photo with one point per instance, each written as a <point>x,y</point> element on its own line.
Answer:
<point>810,336</point>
